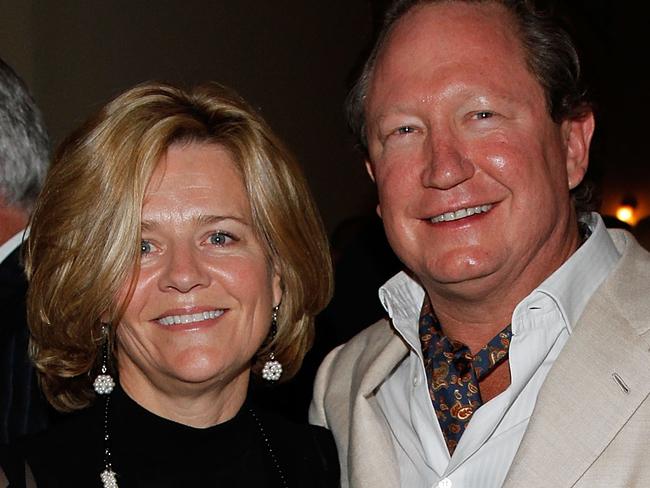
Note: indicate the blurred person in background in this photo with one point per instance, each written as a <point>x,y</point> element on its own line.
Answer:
<point>24,156</point>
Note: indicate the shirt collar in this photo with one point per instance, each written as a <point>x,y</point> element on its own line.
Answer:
<point>10,246</point>
<point>402,296</point>
<point>570,286</point>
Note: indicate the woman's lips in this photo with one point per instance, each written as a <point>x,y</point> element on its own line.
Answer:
<point>190,318</point>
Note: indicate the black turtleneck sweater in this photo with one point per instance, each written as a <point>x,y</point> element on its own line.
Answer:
<point>150,451</point>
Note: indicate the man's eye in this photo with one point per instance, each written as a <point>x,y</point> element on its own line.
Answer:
<point>145,247</point>
<point>220,238</point>
<point>406,129</point>
<point>483,115</point>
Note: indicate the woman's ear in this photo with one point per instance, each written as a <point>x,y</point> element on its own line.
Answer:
<point>276,285</point>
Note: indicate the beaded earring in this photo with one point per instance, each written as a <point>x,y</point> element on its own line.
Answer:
<point>272,369</point>
<point>104,382</point>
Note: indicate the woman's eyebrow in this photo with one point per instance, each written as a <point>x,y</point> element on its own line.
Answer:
<point>151,225</point>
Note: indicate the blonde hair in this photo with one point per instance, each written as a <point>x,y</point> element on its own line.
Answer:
<point>85,230</point>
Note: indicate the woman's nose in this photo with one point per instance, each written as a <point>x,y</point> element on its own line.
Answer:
<point>184,270</point>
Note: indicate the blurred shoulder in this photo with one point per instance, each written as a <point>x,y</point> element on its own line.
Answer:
<point>69,431</point>
<point>71,445</point>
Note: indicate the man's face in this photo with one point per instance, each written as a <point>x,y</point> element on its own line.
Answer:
<point>473,175</point>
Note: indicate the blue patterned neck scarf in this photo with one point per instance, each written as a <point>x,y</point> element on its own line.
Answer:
<point>454,374</point>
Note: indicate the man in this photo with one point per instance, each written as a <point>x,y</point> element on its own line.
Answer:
<point>516,353</point>
<point>23,162</point>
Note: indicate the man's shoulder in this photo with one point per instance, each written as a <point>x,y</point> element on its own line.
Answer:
<point>13,288</point>
<point>628,285</point>
<point>11,268</point>
<point>368,342</point>
<point>352,368</point>
<point>380,330</point>
<point>629,247</point>
<point>377,347</point>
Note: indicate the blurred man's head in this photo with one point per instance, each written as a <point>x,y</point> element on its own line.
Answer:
<point>24,151</point>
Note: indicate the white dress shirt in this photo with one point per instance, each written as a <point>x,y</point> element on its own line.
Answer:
<point>10,246</point>
<point>541,325</point>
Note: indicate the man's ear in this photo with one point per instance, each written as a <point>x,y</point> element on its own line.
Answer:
<point>370,171</point>
<point>577,134</point>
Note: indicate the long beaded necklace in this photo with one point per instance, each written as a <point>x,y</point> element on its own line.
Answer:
<point>109,477</point>
<point>269,448</point>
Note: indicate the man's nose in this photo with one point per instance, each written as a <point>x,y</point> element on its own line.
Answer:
<point>446,165</point>
<point>184,270</point>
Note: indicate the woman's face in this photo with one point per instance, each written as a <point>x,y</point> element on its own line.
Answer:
<point>205,290</point>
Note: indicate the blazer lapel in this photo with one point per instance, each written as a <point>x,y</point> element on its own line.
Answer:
<point>372,459</point>
<point>594,387</point>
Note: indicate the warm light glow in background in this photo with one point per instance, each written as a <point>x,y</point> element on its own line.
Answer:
<point>614,193</point>
<point>626,214</point>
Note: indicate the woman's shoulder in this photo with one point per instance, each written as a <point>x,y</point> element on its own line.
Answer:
<point>66,446</point>
<point>307,450</point>
<point>71,431</point>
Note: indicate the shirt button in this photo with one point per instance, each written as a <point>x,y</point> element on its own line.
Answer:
<point>416,379</point>
<point>445,483</point>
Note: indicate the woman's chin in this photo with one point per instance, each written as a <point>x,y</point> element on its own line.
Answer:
<point>204,368</point>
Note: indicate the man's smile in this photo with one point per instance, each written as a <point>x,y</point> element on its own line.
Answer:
<point>461,213</point>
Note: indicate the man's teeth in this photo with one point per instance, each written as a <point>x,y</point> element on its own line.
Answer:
<point>459,214</point>
<point>190,318</point>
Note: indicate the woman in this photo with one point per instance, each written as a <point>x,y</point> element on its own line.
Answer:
<point>175,250</point>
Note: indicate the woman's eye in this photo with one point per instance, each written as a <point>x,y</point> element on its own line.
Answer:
<point>220,238</point>
<point>145,247</point>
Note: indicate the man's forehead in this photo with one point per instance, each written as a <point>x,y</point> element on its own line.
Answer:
<point>443,24</point>
<point>457,39</point>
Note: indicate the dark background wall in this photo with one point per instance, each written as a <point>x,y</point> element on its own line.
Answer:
<point>292,59</point>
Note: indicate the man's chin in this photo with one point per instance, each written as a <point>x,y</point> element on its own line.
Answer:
<point>469,277</point>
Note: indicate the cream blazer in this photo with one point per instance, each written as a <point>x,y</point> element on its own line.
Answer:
<point>591,424</point>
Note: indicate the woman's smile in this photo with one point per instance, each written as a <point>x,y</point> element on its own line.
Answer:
<point>190,317</point>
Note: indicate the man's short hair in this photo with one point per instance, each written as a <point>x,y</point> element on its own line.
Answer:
<point>551,56</point>
<point>24,143</point>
